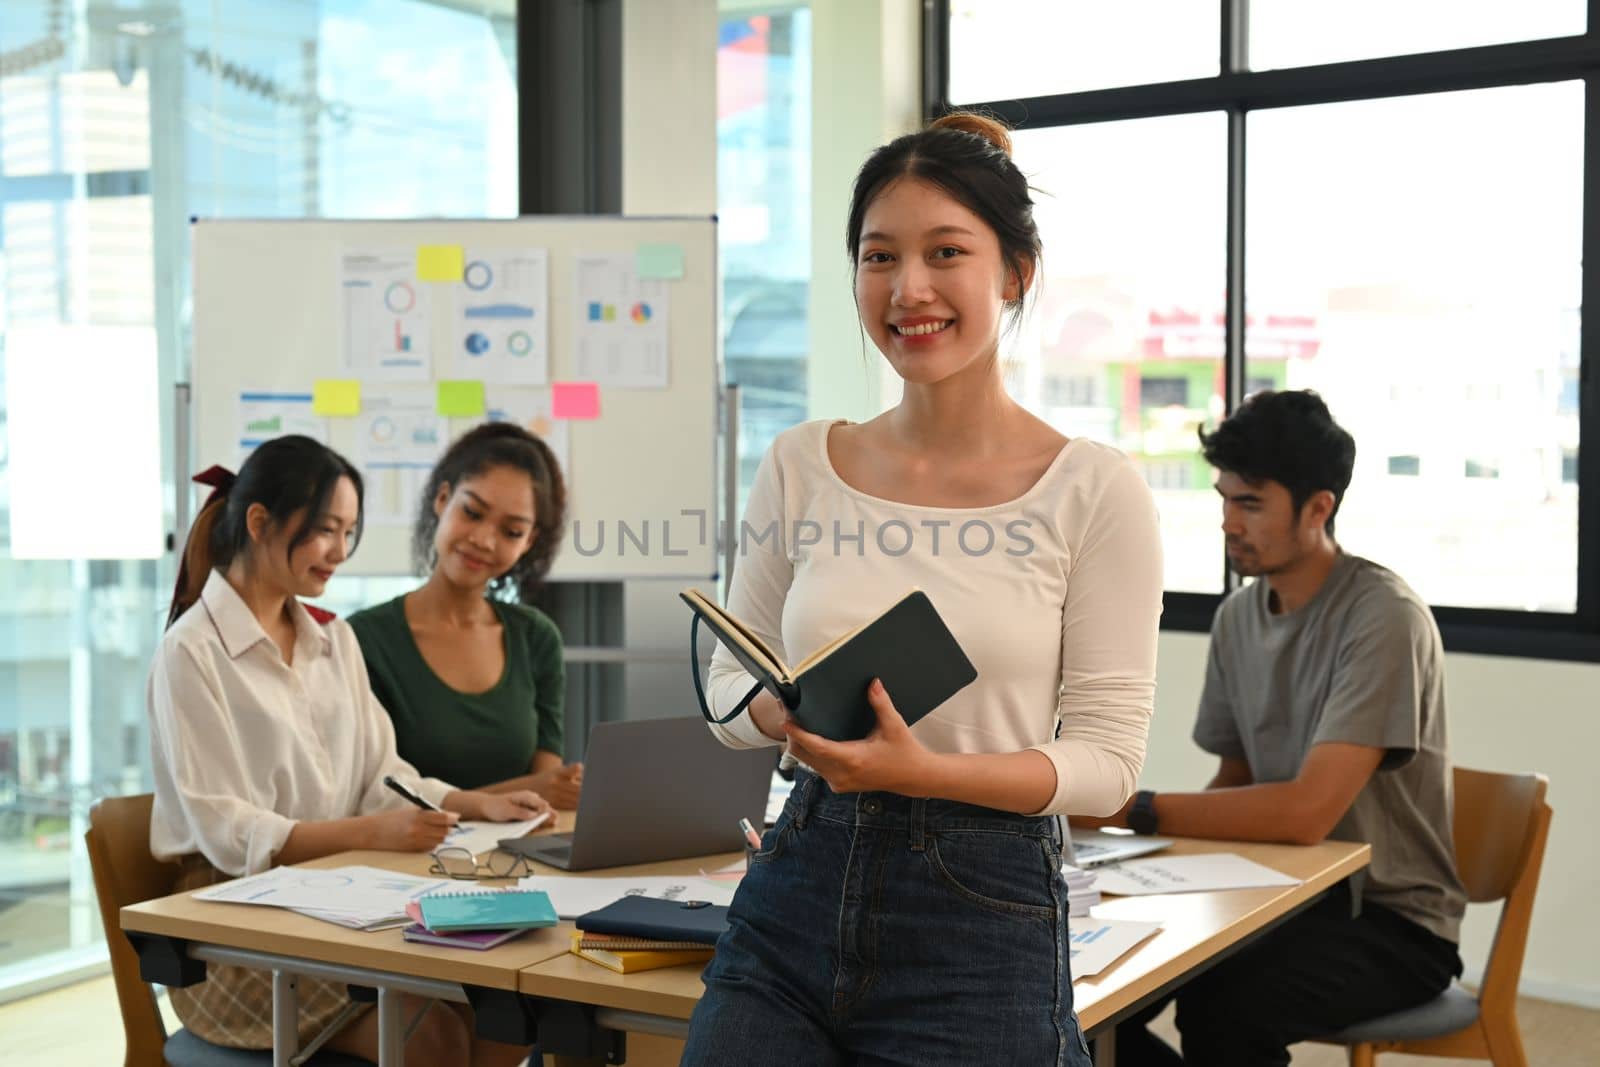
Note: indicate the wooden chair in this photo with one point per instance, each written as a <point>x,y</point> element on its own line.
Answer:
<point>1501,825</point>
<point>118,840</point>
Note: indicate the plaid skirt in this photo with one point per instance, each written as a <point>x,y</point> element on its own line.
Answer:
<point>233,1006</point>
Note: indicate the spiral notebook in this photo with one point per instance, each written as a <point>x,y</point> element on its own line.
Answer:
<point>508,909</point>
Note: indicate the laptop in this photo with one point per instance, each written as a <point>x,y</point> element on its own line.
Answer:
<point>1096,848</point>
<point>660,789</point>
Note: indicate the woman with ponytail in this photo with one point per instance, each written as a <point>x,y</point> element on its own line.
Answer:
<point>471,673</point>
<point>267,745</point>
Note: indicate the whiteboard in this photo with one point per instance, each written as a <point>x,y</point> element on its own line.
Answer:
<point>271,320</point>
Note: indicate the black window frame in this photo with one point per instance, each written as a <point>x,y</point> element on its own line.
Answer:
<point>1237,90</point>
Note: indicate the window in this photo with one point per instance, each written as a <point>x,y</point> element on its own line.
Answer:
<point>115,127</point>
<point>1129,300</point>
<point>763,206</point>
<point>1403,234</point>
<point>1056,47</point>
<point>1297,33</point>
<point>1405,466</point>
<point>1163,392</point>
<point>1404,287</point>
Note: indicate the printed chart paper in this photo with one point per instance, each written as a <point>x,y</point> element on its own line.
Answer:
<point>1098,943</point>
<point>399,436</point>
<point>1188,874</point>
<point>621,324</point>
<point>479,837</point>
<point>502,320</point>
<point>530,409</point>
<point>264,415</point>
<point>387,316</point>
<point>362,898</point>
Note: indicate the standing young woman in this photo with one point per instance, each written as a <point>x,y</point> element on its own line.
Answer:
<point>475,684</point>
<point>907,907</point>
<point>267,746</point>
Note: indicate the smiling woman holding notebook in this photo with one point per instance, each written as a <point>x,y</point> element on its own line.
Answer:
<point>908,905</point>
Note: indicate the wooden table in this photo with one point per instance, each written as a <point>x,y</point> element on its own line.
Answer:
<point>532,988</point>
<point>177,936</point>
<point>1198,930</point>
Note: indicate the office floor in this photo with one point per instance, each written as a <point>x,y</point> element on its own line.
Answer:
<point>80,1025</point>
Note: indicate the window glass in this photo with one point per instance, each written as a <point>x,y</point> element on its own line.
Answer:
<point>116,125</point>
<point>1124,342</point>
<point>1005,49</point>
<point>1295,33</point>
<point>764,220</point>
<point>1426,253</point>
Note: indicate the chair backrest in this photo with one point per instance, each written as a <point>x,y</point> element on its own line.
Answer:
<point>1501,825</point>
<point>118,841</point>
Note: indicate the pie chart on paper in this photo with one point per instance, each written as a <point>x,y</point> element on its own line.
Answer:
<point>477,344</point>
<point>640,313</point>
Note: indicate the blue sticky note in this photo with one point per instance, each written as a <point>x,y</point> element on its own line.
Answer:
<point>663,262</point>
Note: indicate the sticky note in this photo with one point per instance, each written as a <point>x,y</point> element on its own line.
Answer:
<point>575,400</point>
<point>461,398</point>
<point>661,262</point>
<point>440,263</point>
<point>336,396</point>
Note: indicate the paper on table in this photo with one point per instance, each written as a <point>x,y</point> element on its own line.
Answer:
<point>478,837</point>
<point>364,896</point>
<point>1188,874</point>
<point>574,895</point>
<point>1098,943</point>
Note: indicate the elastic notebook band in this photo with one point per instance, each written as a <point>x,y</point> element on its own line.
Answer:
<point>699,688</point>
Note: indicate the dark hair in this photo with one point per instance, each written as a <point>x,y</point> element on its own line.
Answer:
<point>1289,438</point>
<point>969,157</point>
<point>284,475</point>
<point>500,444</point>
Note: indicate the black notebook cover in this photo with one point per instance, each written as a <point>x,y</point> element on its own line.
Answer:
<point>909,647</point>
<point>659,920</point>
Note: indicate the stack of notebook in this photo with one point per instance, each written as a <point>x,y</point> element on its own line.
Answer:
<point>1081,892</point>
<point>642,933</point>
<point>477,920</point>
<point>629,955</point>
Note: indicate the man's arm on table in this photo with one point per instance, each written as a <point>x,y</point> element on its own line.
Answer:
<point>1302,811</point>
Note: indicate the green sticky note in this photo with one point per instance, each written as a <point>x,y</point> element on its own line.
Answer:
<point>461,398</point>
<point>440,263</point>
<point>336,396</point>
<point>660,262</point>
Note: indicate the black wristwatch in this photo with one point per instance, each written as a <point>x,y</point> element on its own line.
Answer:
<point>1142,816</point>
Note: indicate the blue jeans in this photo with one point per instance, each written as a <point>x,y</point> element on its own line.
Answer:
<point>874,929</point>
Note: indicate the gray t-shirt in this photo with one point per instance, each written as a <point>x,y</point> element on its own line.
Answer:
<point>1361,664</point>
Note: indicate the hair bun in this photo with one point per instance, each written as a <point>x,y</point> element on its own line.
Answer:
<point>992,130</point>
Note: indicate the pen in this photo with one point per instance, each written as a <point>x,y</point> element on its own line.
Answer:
<point>389,781</point>
<point>750,834</point>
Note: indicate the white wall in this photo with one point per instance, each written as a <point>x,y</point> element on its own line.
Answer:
<point>1505,715</point>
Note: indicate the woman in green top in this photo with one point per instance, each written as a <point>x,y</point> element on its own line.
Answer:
<point>473,682</point>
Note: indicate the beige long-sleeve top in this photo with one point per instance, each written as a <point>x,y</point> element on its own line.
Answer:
<point>243,745</point>
<point>1054,596</point>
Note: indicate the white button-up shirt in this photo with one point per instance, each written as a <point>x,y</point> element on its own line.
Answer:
<point>244,745</point>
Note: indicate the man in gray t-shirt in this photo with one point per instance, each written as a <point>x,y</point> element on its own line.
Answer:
<point>1324,699</point>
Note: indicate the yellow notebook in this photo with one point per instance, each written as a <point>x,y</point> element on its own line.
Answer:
<point>633,961</point>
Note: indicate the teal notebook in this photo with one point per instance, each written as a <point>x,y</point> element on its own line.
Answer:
<point>509,909</point>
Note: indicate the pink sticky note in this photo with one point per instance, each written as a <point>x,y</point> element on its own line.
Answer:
<point>575,400</point>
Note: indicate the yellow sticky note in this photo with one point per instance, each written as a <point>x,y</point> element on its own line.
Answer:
<point>440,263</point>
<point>336,396</point>
<point>461,398</point>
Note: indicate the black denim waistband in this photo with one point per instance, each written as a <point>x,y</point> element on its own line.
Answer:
<point>813,799</point>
